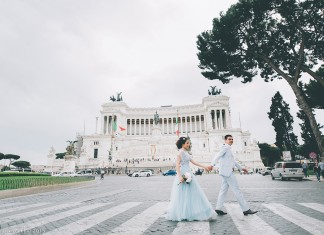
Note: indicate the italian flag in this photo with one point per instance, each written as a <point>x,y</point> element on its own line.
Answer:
<point>114,126</point>
<point>122,128</point>
<point>177,127</point>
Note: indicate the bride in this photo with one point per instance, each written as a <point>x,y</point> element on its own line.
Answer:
<point>188,201</point>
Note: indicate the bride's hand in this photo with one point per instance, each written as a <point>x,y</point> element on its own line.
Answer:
<point>181,180</point>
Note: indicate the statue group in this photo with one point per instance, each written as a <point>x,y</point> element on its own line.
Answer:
<point>214,91</point>
<point>119,97</point>
<point>70,147</point>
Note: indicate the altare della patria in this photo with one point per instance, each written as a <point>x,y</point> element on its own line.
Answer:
<point>128,139</point>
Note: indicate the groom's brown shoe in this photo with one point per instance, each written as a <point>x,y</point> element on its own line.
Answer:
<point>219,212</point>
<point>249,212</point>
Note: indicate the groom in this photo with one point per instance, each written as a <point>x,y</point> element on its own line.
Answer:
<point>226,167</point>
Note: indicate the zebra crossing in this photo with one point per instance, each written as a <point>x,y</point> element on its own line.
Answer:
<point>79,217</point>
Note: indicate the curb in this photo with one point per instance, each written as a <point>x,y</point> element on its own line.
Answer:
<point>11,193</point>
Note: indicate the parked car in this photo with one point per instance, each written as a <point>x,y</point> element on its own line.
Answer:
<point>84,172</point>
<point>146,173</point>
<point>169,172</point>
<point>266,171</point>
<point>68,174</point>
<point>250,172</point>
<point>287,170</point>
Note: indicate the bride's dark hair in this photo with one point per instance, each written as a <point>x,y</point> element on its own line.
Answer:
<point>181,141</point>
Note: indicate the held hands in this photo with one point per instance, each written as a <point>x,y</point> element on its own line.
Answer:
<point>209,168</point>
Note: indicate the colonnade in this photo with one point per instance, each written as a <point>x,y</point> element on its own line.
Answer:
<point>219,119</point>
<point>168,125</point>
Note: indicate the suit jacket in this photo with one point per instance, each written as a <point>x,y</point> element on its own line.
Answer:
<point>226,161</point>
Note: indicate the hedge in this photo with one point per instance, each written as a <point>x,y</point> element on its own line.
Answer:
<point>15,182</point>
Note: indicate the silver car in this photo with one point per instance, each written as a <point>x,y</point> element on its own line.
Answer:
<point>287,170</point>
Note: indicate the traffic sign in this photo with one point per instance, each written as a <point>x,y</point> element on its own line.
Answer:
<point>312,155</point>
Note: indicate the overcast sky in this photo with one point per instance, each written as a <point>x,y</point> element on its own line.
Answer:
<point>62,59</point>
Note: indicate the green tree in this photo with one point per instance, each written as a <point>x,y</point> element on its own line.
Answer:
<point>11,157</point>
<point>313,92</point>
<point>1,156</point>
<point>60,155</point>
<point>279,39</point>
<point>282,122</point>
<point>21,164</point>
<point>269,154</point>
<point>307,136</point>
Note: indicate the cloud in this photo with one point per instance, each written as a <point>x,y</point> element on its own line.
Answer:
<point>62,60</point>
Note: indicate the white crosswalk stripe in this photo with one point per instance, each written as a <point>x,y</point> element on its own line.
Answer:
<point>9,204</point>
<point>37,212</point>
<point>251,224</point>
<point>47,219</point>
<point>139,223</point>
<point>312,225</point>
<point>314,206</point>
<point>196,227</point>
<point>93,220</point>
<point>8,210</point>
<point>143,221</point>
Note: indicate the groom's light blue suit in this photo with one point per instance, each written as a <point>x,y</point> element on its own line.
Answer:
<point>227,164</point>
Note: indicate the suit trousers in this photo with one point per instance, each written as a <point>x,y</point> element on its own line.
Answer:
<point>230,181</point>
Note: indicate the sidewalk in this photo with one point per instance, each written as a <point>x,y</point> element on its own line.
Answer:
<point>312,178</point>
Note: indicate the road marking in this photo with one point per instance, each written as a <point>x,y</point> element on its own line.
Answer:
<point>139,223</point>
<point>47,219</point>
<point>196,227</point>
<point>88,222</point>
<point>5,211</point>
<point>310,224</point>
<point>251,224</point>
<point>37,212</point>
<point>314,206</point>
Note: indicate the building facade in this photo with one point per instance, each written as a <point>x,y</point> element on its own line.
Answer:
<point>145,137</point>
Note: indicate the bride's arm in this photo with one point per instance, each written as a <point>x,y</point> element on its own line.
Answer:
<point>198,164</point>
<point>178,168</point>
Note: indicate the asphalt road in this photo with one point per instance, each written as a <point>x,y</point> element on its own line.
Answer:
<point>125,205</point>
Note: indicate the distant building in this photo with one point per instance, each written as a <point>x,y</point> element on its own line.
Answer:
<point>145,137</point>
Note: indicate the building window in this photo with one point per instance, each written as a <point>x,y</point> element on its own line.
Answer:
<point>95,142</point>
<point>95,153</point>
<point>245,143</point>
<point>204,145</point>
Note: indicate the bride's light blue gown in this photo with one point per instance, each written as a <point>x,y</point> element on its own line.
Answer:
<point>188,201</point>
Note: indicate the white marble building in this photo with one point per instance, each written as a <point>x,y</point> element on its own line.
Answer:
<point>129,134</point>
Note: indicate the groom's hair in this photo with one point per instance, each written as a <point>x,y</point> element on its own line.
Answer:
<point>226,136</point>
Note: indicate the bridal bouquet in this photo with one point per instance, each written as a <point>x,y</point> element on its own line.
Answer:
<point>187,178</point>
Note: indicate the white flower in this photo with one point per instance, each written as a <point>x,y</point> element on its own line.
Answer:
<point>188,177</point>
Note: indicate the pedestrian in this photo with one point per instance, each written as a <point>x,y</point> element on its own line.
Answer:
<point>188,201</point>
<point>226,170</point>
<point>102,174</point>
<point>321,166</point>
<point>317,171</point>
<point>305,169</point>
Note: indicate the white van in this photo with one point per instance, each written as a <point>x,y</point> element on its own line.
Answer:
<point>287,170</point>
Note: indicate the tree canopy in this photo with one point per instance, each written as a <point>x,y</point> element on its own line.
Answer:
<point>269,154</point>
<point>11,158</point>
<point>282,122</point>
<point>21,164</point>
<point>307,136</point>
<point>276,39</point>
